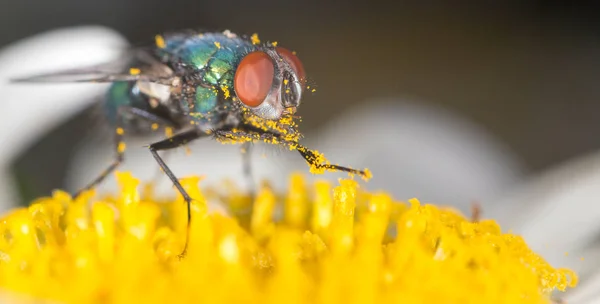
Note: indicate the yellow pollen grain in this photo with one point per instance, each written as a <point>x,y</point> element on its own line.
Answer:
<point>294,52</point>
<point>154,126</point>
<point>254,38</point>
<point>274,43</point>
<point>225,90</point>
<point>169,132</point>
<point>134,71</point>
<point>121,147</point>
<point>218,44</point>
<point>285,81</point>
<point>120,131</point>
<point>160,41</point>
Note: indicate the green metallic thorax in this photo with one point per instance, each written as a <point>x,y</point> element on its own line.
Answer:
<point>206,63</point>
<point>214,58</point>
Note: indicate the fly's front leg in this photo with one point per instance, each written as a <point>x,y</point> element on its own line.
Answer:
<point>171,143</point>
<point>317,161</point>
<point>119,143</point>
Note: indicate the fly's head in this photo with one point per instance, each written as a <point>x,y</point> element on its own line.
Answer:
<point>269,82</point>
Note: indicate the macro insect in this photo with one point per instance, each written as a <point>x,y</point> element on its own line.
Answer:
<point>231,88</point>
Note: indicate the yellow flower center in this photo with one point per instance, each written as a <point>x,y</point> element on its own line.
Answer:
<point>314,244</point>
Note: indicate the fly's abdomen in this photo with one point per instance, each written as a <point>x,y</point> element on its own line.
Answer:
<point>124,95</point>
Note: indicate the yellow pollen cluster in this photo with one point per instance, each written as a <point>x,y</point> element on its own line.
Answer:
<point>160,41</point>
<point>254,38</point>
<point>315,243</point>
<point>168,132</point>
<point>226,92</point>
<point>237,137</point>
<point>121,147</point>
<point>285,126</point>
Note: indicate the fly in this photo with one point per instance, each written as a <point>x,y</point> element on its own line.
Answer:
<point>203,84</point>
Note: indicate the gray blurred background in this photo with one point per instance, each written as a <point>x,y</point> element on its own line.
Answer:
<point>524,71</point>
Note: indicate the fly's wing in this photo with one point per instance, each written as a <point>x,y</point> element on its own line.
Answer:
<point>143,67</point>
<point>154,80</point>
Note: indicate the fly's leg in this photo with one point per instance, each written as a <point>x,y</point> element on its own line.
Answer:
<point>119,149</point>
<point>475,212</point>
<point>316,160</point>
<point>158,174</point>
<point>119,143</point>
<point>171,143</point>
<point>247,166</point>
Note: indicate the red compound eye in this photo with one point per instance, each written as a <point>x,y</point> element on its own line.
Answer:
<point>293,61</point>
<point>253,78</point>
